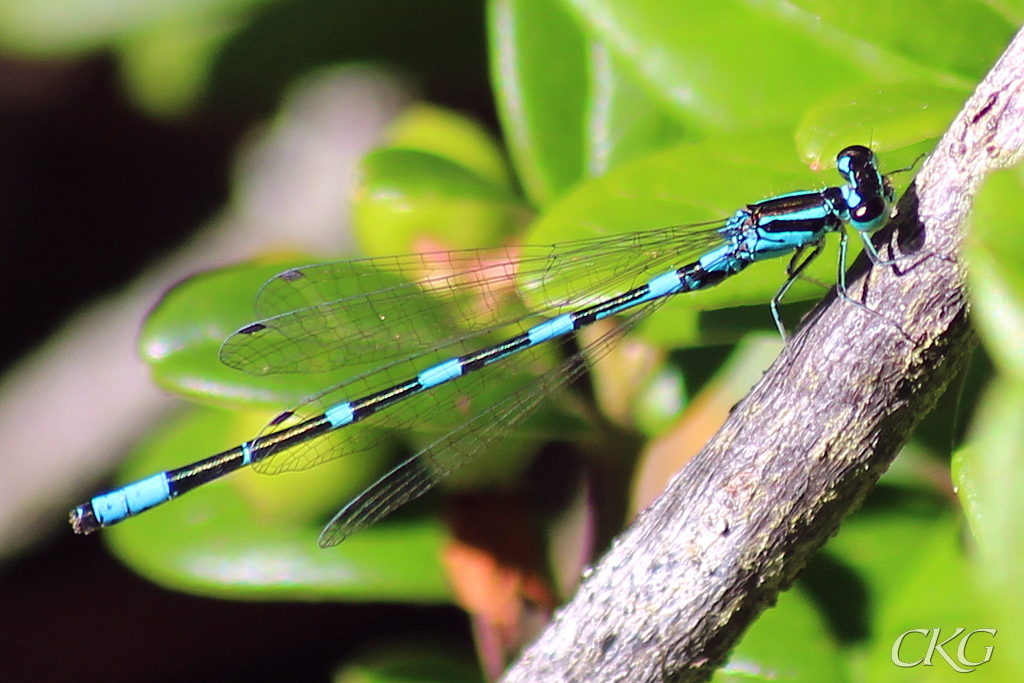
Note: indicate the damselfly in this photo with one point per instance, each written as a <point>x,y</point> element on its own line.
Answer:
<point>423,316</point>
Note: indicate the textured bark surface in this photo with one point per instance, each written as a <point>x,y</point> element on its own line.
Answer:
<point>679,587</point>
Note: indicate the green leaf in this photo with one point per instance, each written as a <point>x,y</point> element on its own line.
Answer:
<point>181,340</point>
<point>885,117</point>
<point>1011,10</point>
<point>788,642</point>
<point>995,253</point>
<point>413,201</point>
<point>166,67</point>
<point>962,38</point>
<point>451,136</point>
<point>989,476</point>
<point>538,63</point>
<point>253,537</point>
<point>409,663</point>
<point>623,119</point>
<point>880,544</point>
<point>729,65</point>
<point>939,592</point>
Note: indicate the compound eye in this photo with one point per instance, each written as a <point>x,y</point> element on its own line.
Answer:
<point>869,212</point>
<point>852,162</point>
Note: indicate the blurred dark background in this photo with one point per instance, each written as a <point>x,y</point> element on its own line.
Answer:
<point>92,191</point>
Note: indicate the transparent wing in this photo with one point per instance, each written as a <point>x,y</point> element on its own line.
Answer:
<point>320,317</point>
<point>421,472</point>
<point>440,409</point>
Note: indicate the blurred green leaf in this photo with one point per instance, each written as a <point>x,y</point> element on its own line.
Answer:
<point>729,66</point>
<point>989,476</point>
<point>1011,10</point>
<point>538,66</point>
<point>580,119</point>
<point>409,663</point>
<point>881,546</point>
<point>885,117</point>
<point>612,80</point>
<point>788,642</point>
<point>229,539</point>
<point>413,201</point>
<point>624,119</point>
<point>938,592</point>
<point>181,340</point>
<point>995,251</point>
<point>958,38</point>
<point>166,67</point>
<point>451,136</point>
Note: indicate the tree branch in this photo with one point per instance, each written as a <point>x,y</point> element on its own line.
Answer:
<point>740,521</point>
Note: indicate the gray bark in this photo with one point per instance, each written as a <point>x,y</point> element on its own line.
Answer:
<point>735,527</point>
